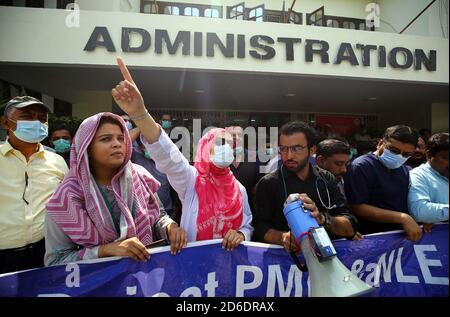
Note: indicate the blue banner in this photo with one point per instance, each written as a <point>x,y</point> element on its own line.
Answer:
<point>393,265</point>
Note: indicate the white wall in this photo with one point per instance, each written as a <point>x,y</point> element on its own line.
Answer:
<point>65,45</point>
<point>395,15</point>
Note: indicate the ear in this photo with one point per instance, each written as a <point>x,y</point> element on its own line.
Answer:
<point>380,144</point>
<point>320,160</point>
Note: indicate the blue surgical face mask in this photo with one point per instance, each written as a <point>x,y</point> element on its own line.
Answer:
<point>391,160</point>
<point>223,156</point>
<point>129,125</point>
<point>166,124</point>
<point>30,131</point>
<point>239,150</point>
<point>61,146</point>
<point>147,155</point>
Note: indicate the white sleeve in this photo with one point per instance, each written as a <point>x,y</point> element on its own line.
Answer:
<point>246,227</point>
<point>170,161</point>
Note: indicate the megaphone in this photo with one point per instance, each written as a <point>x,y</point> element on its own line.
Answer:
<point>328,276</point>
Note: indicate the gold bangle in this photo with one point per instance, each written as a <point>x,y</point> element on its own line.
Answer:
<point>139,117</point>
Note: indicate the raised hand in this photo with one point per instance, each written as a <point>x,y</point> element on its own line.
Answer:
<point>126,94</point>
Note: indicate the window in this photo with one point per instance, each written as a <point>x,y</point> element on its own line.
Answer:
<point>236,12</point>
<point>332,23</point>
<point>172,10</point>
<point>256,14</point>
<point>190,11</point>
<point>316,17</point>
<point>295,18</point>
<point>212,13</point>
<point>273,17</point>
<point>349,25</point>
<point>151,8</point>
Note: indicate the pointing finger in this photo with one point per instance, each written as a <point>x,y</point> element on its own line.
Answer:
<point>124,70</point>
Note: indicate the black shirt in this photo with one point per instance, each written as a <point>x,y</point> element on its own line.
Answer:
<point>270,198</point>
<point>247,173</point>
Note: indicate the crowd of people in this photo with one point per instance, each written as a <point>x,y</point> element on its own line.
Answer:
<point>129,186</point>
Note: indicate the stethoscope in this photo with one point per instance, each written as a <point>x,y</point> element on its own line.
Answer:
<point>302,267</point>
<point>328,206</point>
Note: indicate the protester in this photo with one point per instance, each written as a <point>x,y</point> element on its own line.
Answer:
<point>333,155</point>
<point>106,206</point>
<point>244,167</point>
<point>61,139</point>
<point>166,123</point>
<point>376,184</point>
<point>317,190</point>
<point>215,204</point>
<point>419,155</point>
<point>29,176</point>
<point>428,191</point>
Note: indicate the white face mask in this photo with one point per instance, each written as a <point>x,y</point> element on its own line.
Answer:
<point>223,156</point>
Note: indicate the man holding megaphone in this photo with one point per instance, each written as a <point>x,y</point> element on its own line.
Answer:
<point>317,190</point>
<point>299,207</point>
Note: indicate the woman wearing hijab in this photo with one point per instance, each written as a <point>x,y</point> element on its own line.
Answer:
<point>215,204</point>
<point>106,205</point>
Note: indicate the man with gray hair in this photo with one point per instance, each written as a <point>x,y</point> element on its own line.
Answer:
<point>30,175</point>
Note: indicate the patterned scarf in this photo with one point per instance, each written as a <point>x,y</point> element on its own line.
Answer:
<point>219,196</point>
<point>79,209</point>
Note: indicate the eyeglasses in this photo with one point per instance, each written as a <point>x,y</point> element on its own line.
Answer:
<point>292,148</point>
<point>25,189</point>
<point>396,151</point>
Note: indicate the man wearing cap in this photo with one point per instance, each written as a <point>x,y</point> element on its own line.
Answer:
<point>29,176</point>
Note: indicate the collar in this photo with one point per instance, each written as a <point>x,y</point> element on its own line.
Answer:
<point>6,147</point>
<point>432,170</point>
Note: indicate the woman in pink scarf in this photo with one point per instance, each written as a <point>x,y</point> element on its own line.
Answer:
<point>214,203</point>
<point>106,205</point>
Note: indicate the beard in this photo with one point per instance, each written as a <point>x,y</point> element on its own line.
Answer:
<point>300,165</point>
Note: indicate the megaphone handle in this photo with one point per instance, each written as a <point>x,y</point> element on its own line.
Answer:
<point>301,267</point>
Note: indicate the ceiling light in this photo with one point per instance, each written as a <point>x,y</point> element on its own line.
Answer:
<point>289,95</point>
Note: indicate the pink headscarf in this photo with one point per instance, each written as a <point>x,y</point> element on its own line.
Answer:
<point>219,195</point>
<point>78,207</point>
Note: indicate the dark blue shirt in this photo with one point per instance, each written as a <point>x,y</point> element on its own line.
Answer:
<point>163,192</point>
<point>368,181</point>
